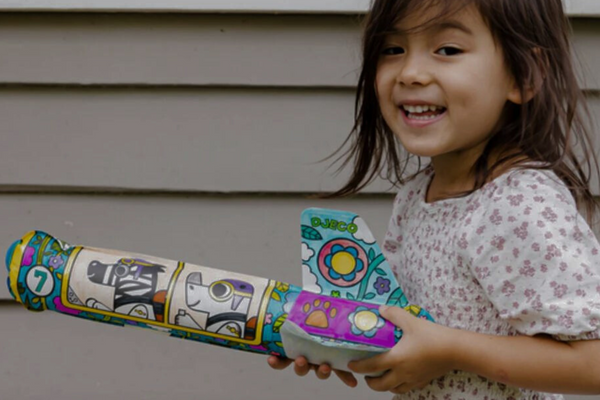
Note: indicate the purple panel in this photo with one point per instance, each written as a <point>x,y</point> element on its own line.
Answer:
<point>342,319</point>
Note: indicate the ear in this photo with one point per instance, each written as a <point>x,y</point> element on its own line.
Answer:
<point>515,96</point>
<point>538,76</point>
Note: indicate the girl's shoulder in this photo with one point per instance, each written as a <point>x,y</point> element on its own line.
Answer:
<point>528,185</point>
<point>526,202</point>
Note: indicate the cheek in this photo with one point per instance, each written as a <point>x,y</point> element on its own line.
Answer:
<point>481,95</point>
<point>384,81</point>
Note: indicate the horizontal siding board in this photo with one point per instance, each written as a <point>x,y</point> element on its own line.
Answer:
<point>587,52</point>
<point>175,139</point>
<point>573,7</point>
<point>168,49</point>
<point>172,139</point>
<point>252,235</point>
<point>47,356</point>
<point>200,50</point>
<point>50,356</point>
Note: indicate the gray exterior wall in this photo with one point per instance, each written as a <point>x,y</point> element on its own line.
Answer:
<point>185,136</point>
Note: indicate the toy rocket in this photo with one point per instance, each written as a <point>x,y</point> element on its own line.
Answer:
<point>334,318</point>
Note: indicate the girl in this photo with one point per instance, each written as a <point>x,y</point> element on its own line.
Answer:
<point>488,237</point>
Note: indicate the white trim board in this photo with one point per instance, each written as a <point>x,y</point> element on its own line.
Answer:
<point>575,8</point>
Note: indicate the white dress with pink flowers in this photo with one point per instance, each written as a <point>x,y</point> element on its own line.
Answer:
<point>513,258</point>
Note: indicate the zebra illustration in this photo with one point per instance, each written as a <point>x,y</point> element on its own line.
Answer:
<point>134,282</point>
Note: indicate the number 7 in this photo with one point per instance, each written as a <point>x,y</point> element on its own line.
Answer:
<point>43,277</point>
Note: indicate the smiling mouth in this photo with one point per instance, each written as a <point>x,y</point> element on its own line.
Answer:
<point>195,304</point>
<point>422,112</point>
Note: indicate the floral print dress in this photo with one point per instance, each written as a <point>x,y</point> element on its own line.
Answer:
<point>512,258</point>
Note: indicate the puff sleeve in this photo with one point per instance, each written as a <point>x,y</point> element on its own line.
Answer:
<point>537,259</point>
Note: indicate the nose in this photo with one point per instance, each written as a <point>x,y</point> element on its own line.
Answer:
<point>414,71</point>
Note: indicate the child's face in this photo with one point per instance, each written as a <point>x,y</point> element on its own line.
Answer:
<point>455,66</point>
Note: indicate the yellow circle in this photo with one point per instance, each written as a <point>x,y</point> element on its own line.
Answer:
<point>343,263</point>
<point>365,320</point>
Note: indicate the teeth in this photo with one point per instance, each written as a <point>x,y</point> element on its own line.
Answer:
<point>421,108</point>
<point>421,117</point>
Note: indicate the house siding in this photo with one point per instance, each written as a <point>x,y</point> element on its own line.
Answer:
<point>186,136</point>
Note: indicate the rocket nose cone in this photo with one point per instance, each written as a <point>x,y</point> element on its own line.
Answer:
<point>10,252</point>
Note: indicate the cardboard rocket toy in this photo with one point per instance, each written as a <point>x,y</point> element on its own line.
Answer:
<point>333,318</point>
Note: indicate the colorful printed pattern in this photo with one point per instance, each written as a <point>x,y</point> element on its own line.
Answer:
<point>342,320</point>
<point>183,300</point>
<point>342,259</point>
<point>345,278</point>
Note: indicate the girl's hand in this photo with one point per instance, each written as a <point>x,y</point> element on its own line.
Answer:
<point>302,367</point>
<point>424,353</point>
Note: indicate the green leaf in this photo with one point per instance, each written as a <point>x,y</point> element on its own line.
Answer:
<point>279,344</point>
<point>350,296</point>
<point>310,233</point>
<point>397,298</point>
<point>371,254</point>
<point>380,271</point>
<point>278,322</point>
<point>369,296</point>
<point>59,275</point>
<point>276,296</point>
<point>35,300</point>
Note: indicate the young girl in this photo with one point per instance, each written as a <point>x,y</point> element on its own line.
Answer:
<point>488,237</point>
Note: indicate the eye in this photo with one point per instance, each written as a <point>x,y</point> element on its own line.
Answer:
<point>221,291</point>
<point>121,270</point>
<point>392,51</point>
<point>449,51</point>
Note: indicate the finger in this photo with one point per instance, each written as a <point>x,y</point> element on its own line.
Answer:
<point>301,366</point>
<point>372,365</point>
<point>346,377</point>
<point>383,383</point>
<point>323,371</point>
<point>401,389</point>
<point>279,362</point>
<point>396,315</point>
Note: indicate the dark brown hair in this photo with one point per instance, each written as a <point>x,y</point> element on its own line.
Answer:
<point>534,37</point>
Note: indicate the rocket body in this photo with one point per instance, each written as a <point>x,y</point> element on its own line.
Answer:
<point>181,299</point>
<point>333,319</point>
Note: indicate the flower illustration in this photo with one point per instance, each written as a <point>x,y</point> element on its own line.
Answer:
<point>382,285</point>
<point>28,256</point>
<point>343,262</point>
<point>56,261</point>
<point>269,319</point>
<point>335,293</point>
<point>365,321</point>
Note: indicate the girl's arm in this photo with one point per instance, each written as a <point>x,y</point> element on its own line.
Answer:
<point>428,351</point>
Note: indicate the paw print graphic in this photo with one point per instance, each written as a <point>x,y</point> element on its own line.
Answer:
<point>319,313</point>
